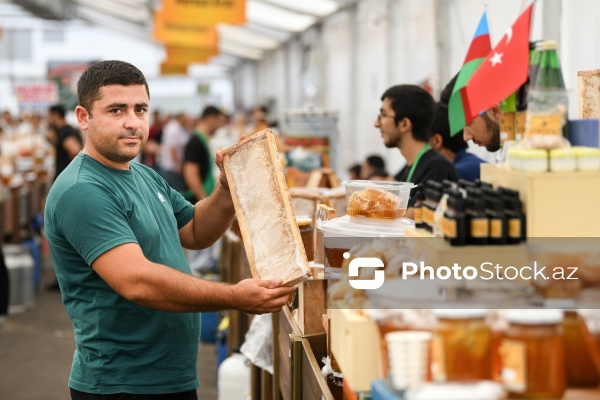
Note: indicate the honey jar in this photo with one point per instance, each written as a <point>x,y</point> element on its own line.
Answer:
<point>462,346</point>
<point>581,356</point>
<point>305,225</point>
<point>533,354</point>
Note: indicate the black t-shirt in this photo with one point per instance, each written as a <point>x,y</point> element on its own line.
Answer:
<point>197,153</point>
<point>62,157</point>
<point>432,166</point>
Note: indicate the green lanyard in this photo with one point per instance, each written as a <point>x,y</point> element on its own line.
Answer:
<point>414,166</point>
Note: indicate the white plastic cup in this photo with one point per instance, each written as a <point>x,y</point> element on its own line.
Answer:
<point>408,355</point>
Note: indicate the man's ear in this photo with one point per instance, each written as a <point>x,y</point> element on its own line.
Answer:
<point>494,112</point>
<point>436,140</point>
<point>82,117</point>
<point>405,125</point>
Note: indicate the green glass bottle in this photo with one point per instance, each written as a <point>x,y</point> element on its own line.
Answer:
<point>547,96</point>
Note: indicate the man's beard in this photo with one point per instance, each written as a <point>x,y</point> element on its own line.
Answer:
<point>493,129</point>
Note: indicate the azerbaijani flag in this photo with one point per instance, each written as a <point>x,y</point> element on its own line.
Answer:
<point>479,49</point>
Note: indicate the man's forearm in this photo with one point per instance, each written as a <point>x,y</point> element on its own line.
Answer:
<point>213,216</point>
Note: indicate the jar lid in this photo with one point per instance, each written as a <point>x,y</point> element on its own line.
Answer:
<point>562,153</point>
<point>348,226</point>
<point>460,313</point>
<point>581,151</point>
<point>535,316</point>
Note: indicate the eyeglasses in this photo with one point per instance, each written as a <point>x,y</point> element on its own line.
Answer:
<point>380,116</point>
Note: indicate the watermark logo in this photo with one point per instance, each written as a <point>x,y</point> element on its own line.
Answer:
<point>365,262</point>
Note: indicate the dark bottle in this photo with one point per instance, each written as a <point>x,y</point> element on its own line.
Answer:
<point>534,65</point>
<point>448,185</point>
<point>477,221</point>
<point>481,184</point>
<point>418,207</point>
<point>516,224</point>
<point>432,199</point>
<point>494,208</point>
<point>454,225</point>
<point>464,184</point>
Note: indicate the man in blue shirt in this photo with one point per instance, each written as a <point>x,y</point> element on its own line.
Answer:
<point>453,148</point>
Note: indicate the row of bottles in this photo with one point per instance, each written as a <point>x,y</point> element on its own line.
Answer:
<point>473,213</point>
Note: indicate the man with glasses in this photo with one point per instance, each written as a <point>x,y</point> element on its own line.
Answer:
<point>404,121</point>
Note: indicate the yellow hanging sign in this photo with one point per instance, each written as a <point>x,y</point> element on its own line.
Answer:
<point>173,69</point>
<point>187,55</point>
<point>205,12</point>
<point>177,33</point>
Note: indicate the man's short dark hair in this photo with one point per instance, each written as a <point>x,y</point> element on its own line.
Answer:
<point>210,111</point>
<point>376,162</point>
<point>59,110</point>
<point>416,104</point>
<point>441,126</point>
<point>105,73</point>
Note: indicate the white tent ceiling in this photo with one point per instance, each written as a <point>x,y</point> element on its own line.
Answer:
<point>270,23</point>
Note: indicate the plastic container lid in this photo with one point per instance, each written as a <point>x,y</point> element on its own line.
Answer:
<point>348,226</point>
<point>460,313</point>
<point>535,316</point>
<point>303,220</point>
<point>562,153</point>
<point>581,151</point>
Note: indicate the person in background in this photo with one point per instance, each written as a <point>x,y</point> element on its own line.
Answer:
<point>197,160</point>
<point>66,139</point>
<point>152,148</point>
<point>370,165</point>
<point>380,175</point>
<point>484,130</point>
<point>354,171</point>
<point>199,177</point>
<point>453,148</point>
<point>174,138</point>
<point>259,119</point>
<point>404,121</point>
<point>116,231</point>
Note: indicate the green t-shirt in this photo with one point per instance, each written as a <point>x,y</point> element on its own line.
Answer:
<point>120,346</point>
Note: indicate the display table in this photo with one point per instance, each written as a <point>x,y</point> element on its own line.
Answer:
<point>556,204</point>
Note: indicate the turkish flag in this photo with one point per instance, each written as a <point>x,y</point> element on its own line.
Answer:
<point>502,71</point>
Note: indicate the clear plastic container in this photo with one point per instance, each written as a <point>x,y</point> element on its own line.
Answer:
<point>587,158</point>
<point>340,234</point>
<point>377,199</point>
<point>529,160</point>
<point>562,160</point>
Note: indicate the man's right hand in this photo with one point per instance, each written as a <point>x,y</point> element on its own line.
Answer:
<point>257,296</point>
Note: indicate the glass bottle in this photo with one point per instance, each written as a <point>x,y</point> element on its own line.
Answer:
<point>454,224</point>
<point>477,220</point>
<point>418,207</point>
<point>547,98</point>
<point>494,208</point>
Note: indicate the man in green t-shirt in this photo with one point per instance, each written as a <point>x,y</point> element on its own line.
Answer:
<point>116,232</point>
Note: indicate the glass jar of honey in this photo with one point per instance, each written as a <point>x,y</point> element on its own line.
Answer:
<point>533,354</point>
<point>305,225</point>
<point>581,362</point>
<point>462,346</point>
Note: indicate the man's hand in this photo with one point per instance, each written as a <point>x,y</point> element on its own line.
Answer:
<point>257,296</point>
<point>219,162</point>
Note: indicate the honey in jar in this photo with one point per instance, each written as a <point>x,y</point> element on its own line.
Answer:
<point>581,355</point>
<point>462,346</point>
<point>533,354</point>
<point>307,234</point>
